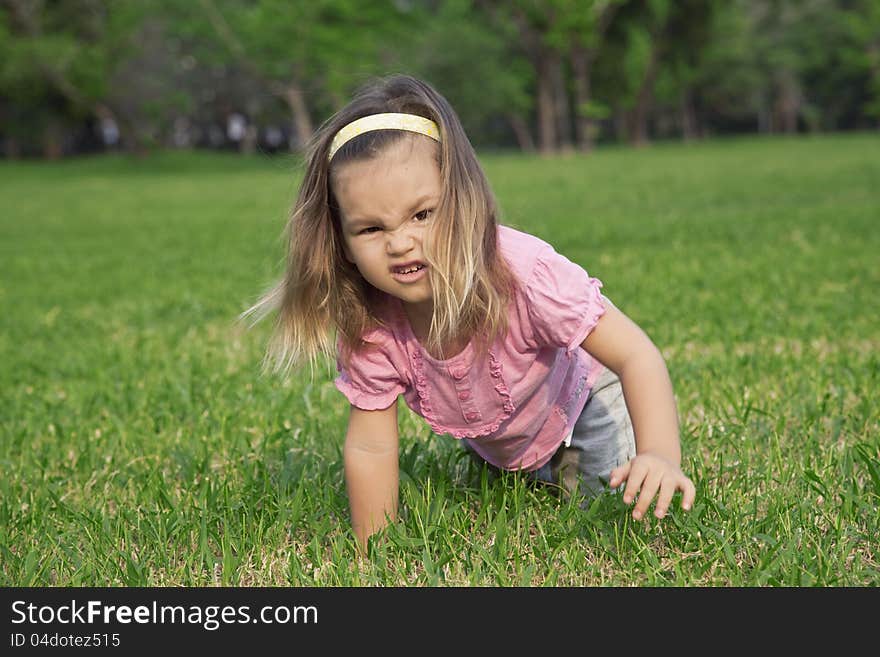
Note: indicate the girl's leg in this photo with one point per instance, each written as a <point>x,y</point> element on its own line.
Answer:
<point>601,440</point>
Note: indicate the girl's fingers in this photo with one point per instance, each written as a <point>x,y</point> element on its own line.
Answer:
<point>689,492</point>
<point>667,490</point>
<point>637,473</point>
<point>644,483</point>
<point>619,475</point>
<point>646,494</point>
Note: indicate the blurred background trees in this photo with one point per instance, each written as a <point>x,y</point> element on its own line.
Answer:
<point>81,76</point>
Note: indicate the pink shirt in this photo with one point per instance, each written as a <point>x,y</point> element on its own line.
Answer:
<point>518,402</point>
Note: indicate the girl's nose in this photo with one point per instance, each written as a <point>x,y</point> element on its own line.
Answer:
<point>400,241</point>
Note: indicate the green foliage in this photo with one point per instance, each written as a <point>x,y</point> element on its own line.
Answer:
<point>860,47</point>
<point>59,60</point>
<point>497,78</point>
<point>729,76</point>
<point>767,64</point>
<point>595,110</point>
<point>573,22</point>
<point>326,47</point>
<point>632,43</point>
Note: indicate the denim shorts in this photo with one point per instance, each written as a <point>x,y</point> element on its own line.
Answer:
<point>601,440</point>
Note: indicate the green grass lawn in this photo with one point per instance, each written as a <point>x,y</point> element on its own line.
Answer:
<point>139,444</point>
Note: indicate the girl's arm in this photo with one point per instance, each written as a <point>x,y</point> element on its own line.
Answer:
<point>619,344</point>
<point>371,469</point>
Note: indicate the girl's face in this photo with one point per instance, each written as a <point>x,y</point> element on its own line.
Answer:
<point>386,206</point>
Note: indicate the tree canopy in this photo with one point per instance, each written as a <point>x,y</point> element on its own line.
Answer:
<point>547,75</point>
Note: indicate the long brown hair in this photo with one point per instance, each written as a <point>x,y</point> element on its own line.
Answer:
<point>321,290</point>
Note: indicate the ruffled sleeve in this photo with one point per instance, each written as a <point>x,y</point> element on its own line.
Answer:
<point>564,302</point>
<point>369,379</point>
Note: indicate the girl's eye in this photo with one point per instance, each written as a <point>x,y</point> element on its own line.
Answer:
<point>423,215</point>
<point>370,229</point>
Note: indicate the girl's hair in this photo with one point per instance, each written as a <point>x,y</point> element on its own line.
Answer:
<point>321,290</point>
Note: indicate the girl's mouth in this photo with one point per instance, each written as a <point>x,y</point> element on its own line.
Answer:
<point>409,273</point>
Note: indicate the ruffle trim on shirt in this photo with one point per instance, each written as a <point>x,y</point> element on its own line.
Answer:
<point>495,369</point>
<point>422,391</point>
<point>427,410</point>
<point>475,433</point>
<point>591,318</point>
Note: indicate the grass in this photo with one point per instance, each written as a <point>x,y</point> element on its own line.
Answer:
<point>140,446</point>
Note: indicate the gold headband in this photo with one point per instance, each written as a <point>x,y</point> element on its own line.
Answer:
<point>386,121</point>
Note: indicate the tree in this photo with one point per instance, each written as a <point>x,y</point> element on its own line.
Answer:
<point>472,63</point>
<point>687,36</point>
<point>554,34</point>
<point>728,80</point>
<point>58,60</point>
<point>860,49</point>
<point>784,65</point>
<point>585,31</point>
<point>636,50</point>
<point>311,55</point>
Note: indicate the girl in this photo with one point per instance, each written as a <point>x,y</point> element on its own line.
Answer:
<point>487,332</point>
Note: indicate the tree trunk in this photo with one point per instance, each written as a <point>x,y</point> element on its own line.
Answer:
<point>538,54</point>
<point>638,124</point>
<point>11,148</point>
<point>788,105</point>
<point>302,123</point>
<point>546,108</point>
<point>689,123</point>
<point>248,144</point>
<point>873,51</point>
<point>561,101</point>
<point>764,117</point>
<point>521,132</point>
<point>621,124</point>
<point>581,67</point>
<point>52,141</point>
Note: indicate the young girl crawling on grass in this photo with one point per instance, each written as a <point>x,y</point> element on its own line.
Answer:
<point>488,333</point>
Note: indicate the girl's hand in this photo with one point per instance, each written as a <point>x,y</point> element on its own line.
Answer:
<point>648,475</point>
